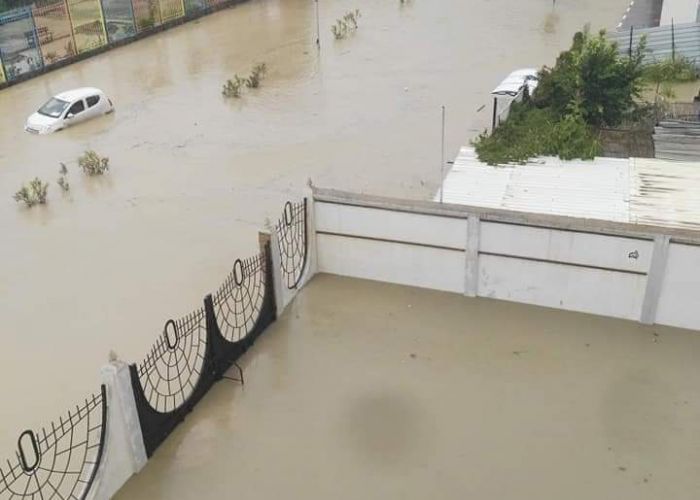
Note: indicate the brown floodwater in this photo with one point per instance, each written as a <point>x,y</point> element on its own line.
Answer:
<point>193,176</point>
<point>371,391</point>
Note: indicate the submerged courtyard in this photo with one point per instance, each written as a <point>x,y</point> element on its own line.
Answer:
<point>370,390</point>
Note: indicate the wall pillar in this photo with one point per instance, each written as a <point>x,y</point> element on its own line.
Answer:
<point>124,451</point>
<point>471,256</point>
<point>655,278</point>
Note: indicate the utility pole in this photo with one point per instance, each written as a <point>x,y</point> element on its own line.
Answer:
<point>318,28</point>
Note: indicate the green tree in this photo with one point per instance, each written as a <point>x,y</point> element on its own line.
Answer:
<point>606,85</point>
<point>591,86</point>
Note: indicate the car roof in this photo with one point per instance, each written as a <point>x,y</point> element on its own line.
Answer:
<point>81,93</point>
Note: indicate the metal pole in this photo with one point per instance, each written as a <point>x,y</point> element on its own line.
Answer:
<point>631,33</point>
<point>318,28</point>
<point>442,157</point>
<point>673,41</point>
<point>493,120</point>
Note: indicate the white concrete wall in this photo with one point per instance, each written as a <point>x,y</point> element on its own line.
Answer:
<point>414,265</point>
<point>679,303</point>
<point>570,270</point>
<point>573,288</point>
<point>633,277</point>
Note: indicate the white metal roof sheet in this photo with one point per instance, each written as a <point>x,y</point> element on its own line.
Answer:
<point>644,191</point>
<point>512,84</point>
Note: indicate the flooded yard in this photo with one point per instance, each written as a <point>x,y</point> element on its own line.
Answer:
<point>193,176</point>
<point>376,391</point>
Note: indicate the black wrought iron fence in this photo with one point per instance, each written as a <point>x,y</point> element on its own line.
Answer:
<point>197,350</point>
<point>61,462</point>
<point>292,235</point>
<point>191,354</point>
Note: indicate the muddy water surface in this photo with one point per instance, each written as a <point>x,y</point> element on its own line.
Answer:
<point>194,176</point>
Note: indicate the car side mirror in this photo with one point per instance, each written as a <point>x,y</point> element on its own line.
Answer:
<point>69,116</point>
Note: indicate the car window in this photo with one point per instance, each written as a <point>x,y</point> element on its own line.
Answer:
<point>92,100</point>
<point>76,108</point>
<point>54,108</point>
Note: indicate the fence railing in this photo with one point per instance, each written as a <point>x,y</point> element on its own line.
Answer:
<point>186,360</point>
<point>662,42</point>
<point>53,33</point>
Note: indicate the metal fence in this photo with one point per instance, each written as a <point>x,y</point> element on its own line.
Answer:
<point>19,45</point>
<point>52,33</point>
<point>60,462</point>
<point>186,360</point>
<point>663,42</point>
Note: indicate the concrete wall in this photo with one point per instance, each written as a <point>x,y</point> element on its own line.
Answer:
<point>621,270</point>
<point>679,301</point>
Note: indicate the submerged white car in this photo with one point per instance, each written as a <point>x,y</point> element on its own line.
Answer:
<point>69,108</point>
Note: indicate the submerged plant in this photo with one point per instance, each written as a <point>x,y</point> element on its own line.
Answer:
<point>232,88</point>
<point>63,184</point>
<point>351,18</point>
<point>256,75</point>
<point>93,164</point>
<point>346,25</point>
<point>33,193</point>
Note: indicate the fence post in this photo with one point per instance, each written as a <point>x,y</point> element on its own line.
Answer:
<point>72,30</point>
<point>104,23</point>
<point>493,120</point>
<point>471,256</point>
<point>124,451</point>
<point>631,35</point>
<point>278,285</point>
<point>655,276</point>
<point>37,45</point>
<point>673,41</point>
<point>3,78</point>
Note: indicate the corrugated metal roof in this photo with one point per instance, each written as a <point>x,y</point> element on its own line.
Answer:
<point>514,82</point>
<point>665,193</point>
<point>643,191</point>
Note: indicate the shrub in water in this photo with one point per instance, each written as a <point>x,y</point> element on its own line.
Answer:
<point>33,193</point>
<point>232,88</point>
<point>256,75</point>
<point>93,164</point>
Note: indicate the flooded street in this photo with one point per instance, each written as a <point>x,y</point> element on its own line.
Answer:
<point>194,176</point>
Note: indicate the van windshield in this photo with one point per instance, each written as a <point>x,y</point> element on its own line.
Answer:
<point>53,108</point>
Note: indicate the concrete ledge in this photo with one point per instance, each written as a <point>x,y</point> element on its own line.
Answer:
<point>625,229</point>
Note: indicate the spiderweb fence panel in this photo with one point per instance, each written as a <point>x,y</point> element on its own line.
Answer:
<point>59,462</point>
<point>291,233</point>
